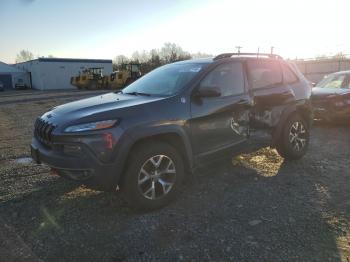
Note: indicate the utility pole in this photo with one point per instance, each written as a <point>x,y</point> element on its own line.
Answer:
<point>272,47</point>
<point>239,49</point>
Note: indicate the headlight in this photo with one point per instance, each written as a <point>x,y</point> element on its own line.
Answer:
<point>91,126</point>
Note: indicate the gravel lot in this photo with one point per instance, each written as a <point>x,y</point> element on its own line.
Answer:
<point>257,208</point>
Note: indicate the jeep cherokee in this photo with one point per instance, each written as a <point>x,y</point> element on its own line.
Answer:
<point>145,138</point>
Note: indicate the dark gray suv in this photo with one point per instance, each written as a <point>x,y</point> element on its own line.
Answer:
<point>148,137</point>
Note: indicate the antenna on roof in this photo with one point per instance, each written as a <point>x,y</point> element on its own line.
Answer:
<point>239,49</point>
<point>257,55</point>
<point>272,47</point>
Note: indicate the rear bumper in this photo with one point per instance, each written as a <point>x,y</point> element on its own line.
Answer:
<point>84,167</point>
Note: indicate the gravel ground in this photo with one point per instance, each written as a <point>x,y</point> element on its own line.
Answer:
<point>257,208</point>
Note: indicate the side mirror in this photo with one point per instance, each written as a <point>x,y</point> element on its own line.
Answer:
<point>208,91</point>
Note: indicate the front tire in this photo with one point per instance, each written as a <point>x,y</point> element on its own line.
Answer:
<point>154,175</point>
<point>294,139</point>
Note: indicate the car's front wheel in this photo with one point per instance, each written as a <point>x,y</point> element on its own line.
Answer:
<point>294,139</point>
<point>154,175</point>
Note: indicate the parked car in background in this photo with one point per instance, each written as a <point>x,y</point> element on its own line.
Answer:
<point>20,85</point>
<point>149,136</point>
<point>331,97</point>
<point>1,86</point>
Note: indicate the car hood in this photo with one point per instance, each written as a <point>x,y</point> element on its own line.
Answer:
<point>319,93</point>
<point>96,108</point>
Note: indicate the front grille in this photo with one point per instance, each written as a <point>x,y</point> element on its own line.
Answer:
<point>43,131</point>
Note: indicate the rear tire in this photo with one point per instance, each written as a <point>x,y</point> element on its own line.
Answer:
<point>154,176</point>
<point>294,139</point>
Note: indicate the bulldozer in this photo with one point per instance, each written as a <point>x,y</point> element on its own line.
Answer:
<point>91,78</point>
<point>127,74</point>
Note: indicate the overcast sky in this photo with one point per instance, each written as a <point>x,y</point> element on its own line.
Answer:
<point>106,28</point>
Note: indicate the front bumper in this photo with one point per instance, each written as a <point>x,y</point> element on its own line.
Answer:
<point>84,167</point>
<point>329,113</point>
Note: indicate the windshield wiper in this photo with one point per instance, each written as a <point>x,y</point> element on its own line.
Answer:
<point>137,94</point>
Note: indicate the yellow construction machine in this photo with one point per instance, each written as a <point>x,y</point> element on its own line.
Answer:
<point>91,78</point>
<point>127,74</point>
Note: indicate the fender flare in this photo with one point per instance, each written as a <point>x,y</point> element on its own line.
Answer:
<point>140,133</point>
<point>287,112</point>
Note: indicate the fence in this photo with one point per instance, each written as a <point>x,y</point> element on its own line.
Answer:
<point>316,69</point>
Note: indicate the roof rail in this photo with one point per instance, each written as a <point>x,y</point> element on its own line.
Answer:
<point>227,55</point>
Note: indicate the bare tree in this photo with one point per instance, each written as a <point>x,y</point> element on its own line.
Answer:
<point>171,52</point>
<point>339,55</point>
<point>200,55</point>
<point>140,57</point>
<point>23,56</point>
<point>119,60</point>
<point>154,58</point>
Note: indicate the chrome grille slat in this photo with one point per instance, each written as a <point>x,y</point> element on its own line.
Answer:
<point>43,131</point>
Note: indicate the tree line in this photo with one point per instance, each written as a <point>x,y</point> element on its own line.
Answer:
<point>26,55</point>
<point>149,60</point>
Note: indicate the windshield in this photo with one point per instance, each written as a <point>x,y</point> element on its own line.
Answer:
<point>335,81</point>
<point>165,80</point>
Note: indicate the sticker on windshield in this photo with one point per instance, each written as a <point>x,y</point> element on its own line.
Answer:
<point>195,69</point>
<point>192,70</point>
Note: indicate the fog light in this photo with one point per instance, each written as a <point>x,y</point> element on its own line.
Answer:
<point>72,149</point>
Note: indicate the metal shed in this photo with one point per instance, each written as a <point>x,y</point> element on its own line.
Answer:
<point>56,73</point>
<point>10,76</point>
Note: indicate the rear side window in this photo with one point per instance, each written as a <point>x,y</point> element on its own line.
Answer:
<point>288,75</point>
<point>264,73</point>
<point>227,77</point>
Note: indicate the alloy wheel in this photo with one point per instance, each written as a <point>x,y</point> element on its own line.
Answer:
<point>298,136</point>
<point>157,177</point>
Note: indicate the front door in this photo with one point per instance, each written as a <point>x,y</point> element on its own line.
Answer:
<point>220,122</point>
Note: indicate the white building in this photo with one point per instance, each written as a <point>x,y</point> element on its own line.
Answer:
<point>11,76</point>
<point>56,73</point>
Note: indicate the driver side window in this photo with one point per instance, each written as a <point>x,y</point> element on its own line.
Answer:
<point>228,78</point>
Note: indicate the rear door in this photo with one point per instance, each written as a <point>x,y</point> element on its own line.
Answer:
<point>271,95</point>
<point>220,122</point>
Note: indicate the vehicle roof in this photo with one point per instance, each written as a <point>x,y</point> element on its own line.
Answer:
<point>196,61</point>
<point>212,59</point>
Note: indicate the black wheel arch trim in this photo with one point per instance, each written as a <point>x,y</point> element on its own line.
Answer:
<point>152,131</point>
<point>302,107</point>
